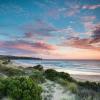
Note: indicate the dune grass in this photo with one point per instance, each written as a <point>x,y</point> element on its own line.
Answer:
<point>27,84</point>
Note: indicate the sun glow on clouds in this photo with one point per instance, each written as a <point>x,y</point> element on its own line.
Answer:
<point>60,29</point>
<point>74,53</point>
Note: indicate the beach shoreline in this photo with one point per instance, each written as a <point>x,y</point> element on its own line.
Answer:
<point>83,76</point>
<point>77,75</point>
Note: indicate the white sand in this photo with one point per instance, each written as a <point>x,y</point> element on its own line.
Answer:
<point>54,91</point>
<point>82,76</point>
<point>92,78</point>
<point>78,75</point>
<point>77,72</point>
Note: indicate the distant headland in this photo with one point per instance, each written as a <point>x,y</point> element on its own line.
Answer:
<point>18,57</point>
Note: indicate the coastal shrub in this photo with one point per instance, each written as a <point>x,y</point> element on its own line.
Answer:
<point>2,88</point>
<point>87,94</point>
<point>62,82</point>
<point>90,85</point>
<point>20,88</point>
<point>51,74</point>
<point>66,76</point>
<point>38,67</point>
<point>73,87</point>
<point>10,71</point>
<point>37,76</point>
<point>54,75</point>
<point>6,61</point>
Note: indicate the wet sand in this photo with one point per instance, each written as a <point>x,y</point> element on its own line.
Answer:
<point>92,78</point>
<point>82,76</point>
<point>79,76</point>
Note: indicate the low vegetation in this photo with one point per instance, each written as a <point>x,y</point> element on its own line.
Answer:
<point>9,71</point>
<point>20,88</point>
<point>27,84</point>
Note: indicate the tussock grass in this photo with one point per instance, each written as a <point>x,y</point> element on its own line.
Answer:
<point>73,89</point>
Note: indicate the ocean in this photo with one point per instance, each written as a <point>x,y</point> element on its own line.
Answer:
<point>71,66</point>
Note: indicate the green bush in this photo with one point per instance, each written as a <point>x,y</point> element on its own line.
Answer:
<point>20,89</point>
<point>54,75</point>
<point>66,76</point>
<point>6,61</point>
<point>51,74</point>
<point>90,85</point>
<point>37,76</point>
<point>38,67</point>
<point>11,71</point>
<point>63,82</point>
<point>2,88</point>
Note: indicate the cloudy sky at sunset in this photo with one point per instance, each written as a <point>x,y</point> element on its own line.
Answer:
<point>60,29</point>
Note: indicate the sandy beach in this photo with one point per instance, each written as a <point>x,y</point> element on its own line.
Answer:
<point>82,76</point>
<point>92,78</point>
<point>55,86</point>
<point>78,75</point>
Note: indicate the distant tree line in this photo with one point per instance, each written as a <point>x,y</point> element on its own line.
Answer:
<point>18,57</point>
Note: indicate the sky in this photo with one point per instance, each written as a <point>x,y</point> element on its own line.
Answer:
<point>50,29</point>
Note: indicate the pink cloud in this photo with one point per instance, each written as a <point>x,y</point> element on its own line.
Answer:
<point>92,42</point>
<point>29,35</point>
<point>43,45</point>
<point>40,28</point>
<point>91,7</point>
<point>82,43</point>
<point>1,43</point>
<point>88,22</point>
<point>37,47</point>
<point>69,10</point>
<point>67,32</point>
<point>89,25</point>
<point>88,18</point>
<point>96,32</point>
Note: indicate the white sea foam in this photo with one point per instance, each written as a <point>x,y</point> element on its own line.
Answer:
<point>71,67</point>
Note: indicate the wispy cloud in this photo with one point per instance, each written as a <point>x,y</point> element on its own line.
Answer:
<point>1,43</point>
<point>88,22</point>
<point>67,33</point>
<point>26,47</point>
<point>73,10</point>
<point>92,42</point>
<point>88,18</point>
<point>64,11</point>
<point>91,7</point>
<point>96,33</point>
<point>40,27</point>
